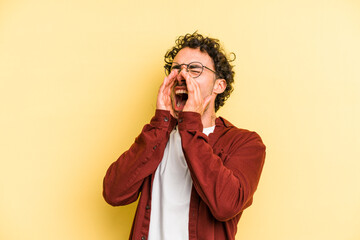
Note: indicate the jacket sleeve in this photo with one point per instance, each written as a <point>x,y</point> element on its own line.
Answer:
<point>123,180</point>
<point>225,185</point>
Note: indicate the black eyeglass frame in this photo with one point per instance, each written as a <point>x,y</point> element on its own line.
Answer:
<point>169,68</point>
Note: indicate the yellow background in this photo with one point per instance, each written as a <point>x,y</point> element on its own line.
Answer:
<point>78,80</point>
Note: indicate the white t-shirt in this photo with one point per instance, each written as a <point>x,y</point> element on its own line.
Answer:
<point>171,192</point>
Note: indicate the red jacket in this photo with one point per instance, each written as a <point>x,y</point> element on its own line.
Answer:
<point>225,168</point>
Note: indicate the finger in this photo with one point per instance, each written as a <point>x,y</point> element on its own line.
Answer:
<point>189,82</point>
<point>168,86</point>
<point>197,89</point>
<point>171,77</point>
<point>168,82</point>
<point>194,87</point>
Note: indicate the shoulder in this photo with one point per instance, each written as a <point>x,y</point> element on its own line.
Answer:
<point>239,137</point>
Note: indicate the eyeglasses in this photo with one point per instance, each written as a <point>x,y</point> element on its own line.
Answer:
<point>195,69</point>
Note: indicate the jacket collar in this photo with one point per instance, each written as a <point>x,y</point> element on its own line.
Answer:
<point>220,121</point>
<point>221,126</point>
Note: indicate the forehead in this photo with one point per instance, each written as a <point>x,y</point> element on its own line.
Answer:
<point>187,55</point>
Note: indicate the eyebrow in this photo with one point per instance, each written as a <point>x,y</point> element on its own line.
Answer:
<point>195,61</point>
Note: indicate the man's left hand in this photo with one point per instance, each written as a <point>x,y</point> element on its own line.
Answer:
<point>195,101</point>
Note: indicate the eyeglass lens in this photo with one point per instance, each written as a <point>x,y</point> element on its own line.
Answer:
<point>194,69</point>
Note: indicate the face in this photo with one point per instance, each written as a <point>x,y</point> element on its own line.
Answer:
<point>206,80</point>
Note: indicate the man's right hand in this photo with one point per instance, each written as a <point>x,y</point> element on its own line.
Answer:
<point>164,94</point>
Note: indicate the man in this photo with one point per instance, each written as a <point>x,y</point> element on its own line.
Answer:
<point>196,173</point>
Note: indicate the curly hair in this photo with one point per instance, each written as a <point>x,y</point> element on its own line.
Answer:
<point>223,68</point>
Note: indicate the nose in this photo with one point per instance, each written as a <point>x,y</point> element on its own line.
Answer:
<point>179,77</point>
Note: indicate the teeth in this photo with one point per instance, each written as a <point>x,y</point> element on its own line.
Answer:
<point>180,91</point>
<point>178,104</point>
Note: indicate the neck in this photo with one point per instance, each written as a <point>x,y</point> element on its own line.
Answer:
<point>208,118</point>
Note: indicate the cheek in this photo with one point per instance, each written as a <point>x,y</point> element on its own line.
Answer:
<point>206,90</point>
<point>206,85</point>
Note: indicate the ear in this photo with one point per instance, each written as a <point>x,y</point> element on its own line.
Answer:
<point>219,86</point>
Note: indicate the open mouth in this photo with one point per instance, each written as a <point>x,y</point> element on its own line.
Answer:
<point>181,96</point>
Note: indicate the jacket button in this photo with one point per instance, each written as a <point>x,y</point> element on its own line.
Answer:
<point>154,147</point>
<point>180,120</point>
<point>147,207</point>
<point>166,119</point>
<point>143,238</point>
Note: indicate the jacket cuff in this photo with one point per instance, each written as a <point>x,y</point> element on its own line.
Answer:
<point>190,121</point>
<point>163,119</point>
